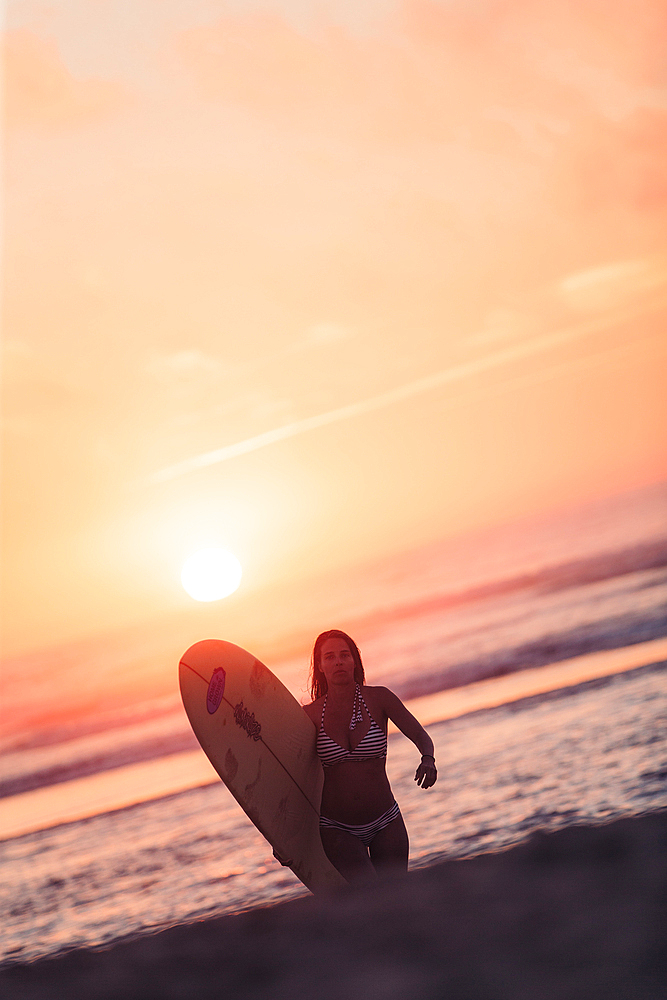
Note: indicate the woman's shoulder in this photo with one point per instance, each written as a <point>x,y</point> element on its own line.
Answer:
<point>314,710</point>
<point>382,697</point>
<point>375,690</point>
<point>375,693</point>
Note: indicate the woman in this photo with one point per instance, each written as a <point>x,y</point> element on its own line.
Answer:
<point>362,830</point>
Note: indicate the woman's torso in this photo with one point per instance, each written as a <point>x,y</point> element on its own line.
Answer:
<point>356,788</point>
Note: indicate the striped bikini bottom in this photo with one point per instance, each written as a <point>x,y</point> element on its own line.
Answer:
<point>365,832</point>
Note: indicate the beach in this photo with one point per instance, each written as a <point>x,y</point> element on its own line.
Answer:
<point>579,912</point>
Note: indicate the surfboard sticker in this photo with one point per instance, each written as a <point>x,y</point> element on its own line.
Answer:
<point>244,718</point>
<point>216,689</point>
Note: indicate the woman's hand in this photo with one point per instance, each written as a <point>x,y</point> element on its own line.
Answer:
<point>395,710</point>
<point>427,773</point>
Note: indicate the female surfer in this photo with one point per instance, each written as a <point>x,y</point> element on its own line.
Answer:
<point>362,830</point>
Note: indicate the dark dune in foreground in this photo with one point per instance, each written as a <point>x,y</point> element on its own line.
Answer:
<point>581,912</point>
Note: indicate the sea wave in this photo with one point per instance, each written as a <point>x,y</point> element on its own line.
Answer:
<point>529,621</point>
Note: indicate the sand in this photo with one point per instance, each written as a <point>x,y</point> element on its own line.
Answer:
<point>577,913</point>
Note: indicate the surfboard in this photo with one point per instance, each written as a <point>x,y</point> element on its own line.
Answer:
<point>262,744</point>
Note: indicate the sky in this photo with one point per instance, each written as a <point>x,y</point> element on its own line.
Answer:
<point>317,282</point>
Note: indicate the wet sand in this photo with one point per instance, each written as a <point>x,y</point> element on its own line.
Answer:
<point>581,912</point>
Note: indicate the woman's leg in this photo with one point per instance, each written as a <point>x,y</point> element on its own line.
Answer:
<point>349,855</point>
<point>389,848</point>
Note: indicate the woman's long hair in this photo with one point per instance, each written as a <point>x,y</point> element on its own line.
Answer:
<point>317,680</point>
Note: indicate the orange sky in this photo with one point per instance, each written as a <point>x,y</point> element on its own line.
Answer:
<point>410,258</point>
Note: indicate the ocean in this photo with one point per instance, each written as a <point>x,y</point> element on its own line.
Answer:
<point>588,748</point>
<point>590,753</point>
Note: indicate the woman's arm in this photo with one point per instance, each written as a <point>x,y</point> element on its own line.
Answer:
<point>395,710</point>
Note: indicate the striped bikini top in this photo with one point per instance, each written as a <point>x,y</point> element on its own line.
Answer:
<point>374,743</point>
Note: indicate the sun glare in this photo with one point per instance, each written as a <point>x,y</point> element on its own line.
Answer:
<point>211,574</point>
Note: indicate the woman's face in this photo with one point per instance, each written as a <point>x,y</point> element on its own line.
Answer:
<point>336,661</point>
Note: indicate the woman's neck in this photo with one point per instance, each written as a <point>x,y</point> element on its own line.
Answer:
<point>342,694</point>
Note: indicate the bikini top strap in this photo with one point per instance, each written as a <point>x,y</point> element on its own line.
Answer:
<point>368,712</point>
<point>357,696</point>
<point>357,716</point>
<point>365,705</point>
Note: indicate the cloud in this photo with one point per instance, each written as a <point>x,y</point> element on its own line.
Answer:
<point>563,101</point>
<point>614,285</point>
<point>606,91</point>
<point>422,77</point>
<point>437,380</point>
<point>324,334</point>
<point>39,89</point>
<point>184,366</point>
<point>614,164</point>
<point>502,324</point>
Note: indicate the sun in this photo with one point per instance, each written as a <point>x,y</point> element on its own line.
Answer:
<point>211,574</point>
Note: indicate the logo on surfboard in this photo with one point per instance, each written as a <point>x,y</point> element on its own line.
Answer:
<point>216,689</point>
<point>246,720</point>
